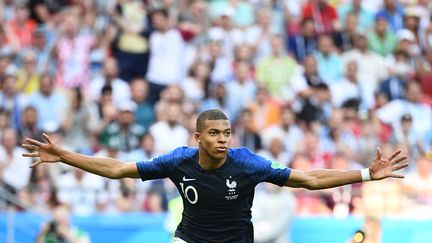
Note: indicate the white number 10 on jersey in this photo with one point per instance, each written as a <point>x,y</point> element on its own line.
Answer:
<point>186,195</point>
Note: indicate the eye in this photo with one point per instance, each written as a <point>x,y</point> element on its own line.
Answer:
<point>212,133</point>
<point>228,133</point>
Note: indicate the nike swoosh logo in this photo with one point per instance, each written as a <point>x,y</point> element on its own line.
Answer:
<point>188,179</point>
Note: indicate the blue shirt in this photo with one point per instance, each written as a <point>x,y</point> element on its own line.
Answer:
<point>217,203</point>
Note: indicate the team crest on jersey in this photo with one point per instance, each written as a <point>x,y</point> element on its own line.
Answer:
<point>231,184</point>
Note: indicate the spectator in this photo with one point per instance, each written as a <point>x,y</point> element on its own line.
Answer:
<point>120,89</point>
<point>241,90</point>
<point>412,105</point>
<point>265,110</point>
<point>73,53</point>
<point>130,38</point>
<point>356,7</point>
<point>124,131</point>
<point>245,132</point>
<point>78,122</point>
<point>305,43</point>
<point>272,212</point>
<point>29,124</point>
<point>14,176</point>
<point>166,59</point>
<point>83,192</point>
<point>27,77</point>
<point>21,26</point>
<point>169,129</point>
<point>351,87</point>
<point>417,186</point>
<point>345,38</point>
<point>196,84</point>
<point>60,229</point>
<point>49,96</point>
<point>393,13</point>
<point>277,70</point>
<point>381,40</point>
<point>287,130</point>
<point>370,64</point>
<point>144,112</point>
<point>11,100</point>
<point>323,14</point>
<point>330,66</point>
<point>259,36</point>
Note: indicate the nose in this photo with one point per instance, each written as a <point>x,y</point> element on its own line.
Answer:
<point>221,138</point>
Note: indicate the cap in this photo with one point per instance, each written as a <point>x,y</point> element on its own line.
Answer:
<point>405,34</point>
<point>127,106</point>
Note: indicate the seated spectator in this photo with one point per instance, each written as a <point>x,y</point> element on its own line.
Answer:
<point>381,40</point>
<point>49,96</point>
<point>323,14</point>
<point>304,43</point>
<point>330,66</point>
<point>125,129</point>
<point>144,112</point>
<point>169,132</point>
<point>15,170</point>
<point>418,187</point>
<point>245,132</point>
<point>120,89</point>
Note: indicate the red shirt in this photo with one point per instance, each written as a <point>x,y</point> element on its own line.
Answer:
<point>24,33</point>
<point>323,18</point>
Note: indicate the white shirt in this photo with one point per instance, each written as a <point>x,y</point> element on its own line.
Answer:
<point>83,196</point>
<point>371,66</point>
<point>120,89</point>
<point>166,58</point>
<point>346,90</point>
<point>392,112</point>
<point>16,171</point>
<point>168,138</point>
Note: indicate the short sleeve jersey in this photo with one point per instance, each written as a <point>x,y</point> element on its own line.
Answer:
<point>217,203</point>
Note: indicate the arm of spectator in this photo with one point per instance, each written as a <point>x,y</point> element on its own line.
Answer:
<point>321,179</point>
<point>50,152</point>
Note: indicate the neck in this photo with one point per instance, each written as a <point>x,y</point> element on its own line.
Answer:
<point>208,163</point>
<point>9,151</point>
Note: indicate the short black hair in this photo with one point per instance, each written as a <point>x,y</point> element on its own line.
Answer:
<point>213,114</point>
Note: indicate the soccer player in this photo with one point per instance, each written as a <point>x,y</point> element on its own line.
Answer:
<point>215,181</point>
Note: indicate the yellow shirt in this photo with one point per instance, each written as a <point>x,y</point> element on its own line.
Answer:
<point>31,86</point>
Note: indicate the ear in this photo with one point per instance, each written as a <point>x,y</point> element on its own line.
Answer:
<point>197,137</point>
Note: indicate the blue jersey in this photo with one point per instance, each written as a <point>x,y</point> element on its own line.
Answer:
<point>217,203</point>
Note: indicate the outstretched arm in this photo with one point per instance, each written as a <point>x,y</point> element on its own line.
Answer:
<point>320,179</point>
<point>50,152</point>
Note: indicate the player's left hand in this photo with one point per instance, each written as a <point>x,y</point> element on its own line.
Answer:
<point>382,168</point>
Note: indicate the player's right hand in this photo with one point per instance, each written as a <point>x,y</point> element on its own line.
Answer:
<point>44,152</point>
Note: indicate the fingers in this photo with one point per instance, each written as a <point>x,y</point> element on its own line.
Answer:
<point>35,154</point>
<point>34,142</point>
<point>399,166</point>
<point>397,176</point>
<point>47,138</point>
<point>29,147</point>
<point>391,157</point>
<point>398,160</point>
<point>36,163</point>
<point>378,153</point>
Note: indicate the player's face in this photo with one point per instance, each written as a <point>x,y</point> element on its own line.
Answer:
<point>215,138</point>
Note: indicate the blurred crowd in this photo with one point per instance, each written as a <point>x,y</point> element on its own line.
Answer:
<point>308,83</point>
